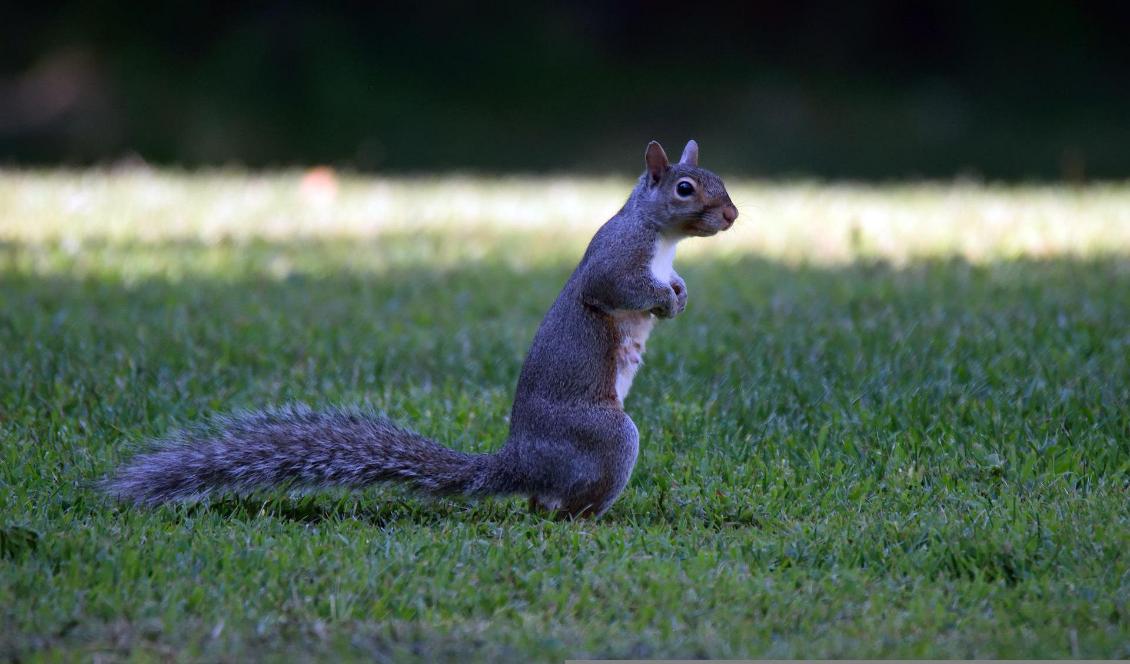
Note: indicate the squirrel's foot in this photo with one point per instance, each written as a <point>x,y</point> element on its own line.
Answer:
<point>544,506</point>
<point>554,509</point>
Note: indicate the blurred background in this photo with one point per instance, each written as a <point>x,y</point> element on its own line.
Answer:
<point>877,90</point>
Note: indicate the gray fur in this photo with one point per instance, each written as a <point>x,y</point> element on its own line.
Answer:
<point>296,446</point>
<point>571,447</point>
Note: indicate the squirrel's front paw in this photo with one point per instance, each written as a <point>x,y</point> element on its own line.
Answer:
<point>680,288</point>
<point>669,308</point>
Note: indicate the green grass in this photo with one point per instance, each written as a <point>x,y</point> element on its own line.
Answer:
<point>893,422</point>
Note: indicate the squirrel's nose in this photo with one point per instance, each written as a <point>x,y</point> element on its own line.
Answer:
<point>730,213</point>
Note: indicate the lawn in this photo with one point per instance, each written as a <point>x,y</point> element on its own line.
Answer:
<point>893,422</point>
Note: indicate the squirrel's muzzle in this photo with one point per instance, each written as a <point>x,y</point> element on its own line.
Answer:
<point>729,214</point>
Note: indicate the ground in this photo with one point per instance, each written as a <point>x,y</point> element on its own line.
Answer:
<point>893,421</point>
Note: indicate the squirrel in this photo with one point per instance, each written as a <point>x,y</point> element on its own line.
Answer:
<point>571,447</point>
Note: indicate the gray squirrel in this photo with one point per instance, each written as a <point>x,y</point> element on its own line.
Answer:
<point>571,447</point>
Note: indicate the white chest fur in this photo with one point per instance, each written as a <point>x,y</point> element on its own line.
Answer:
<point>663,262</point>
<point>635,326</point>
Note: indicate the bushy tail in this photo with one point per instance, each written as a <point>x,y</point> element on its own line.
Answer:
<point>297,447</point>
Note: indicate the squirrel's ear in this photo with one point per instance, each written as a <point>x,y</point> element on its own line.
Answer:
<point>656,159</point>
<point>690,154</point>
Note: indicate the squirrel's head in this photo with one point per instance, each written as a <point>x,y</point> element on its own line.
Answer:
<point>683,198</point>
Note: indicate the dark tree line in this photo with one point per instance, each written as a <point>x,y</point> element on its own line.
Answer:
<point>870,90</point>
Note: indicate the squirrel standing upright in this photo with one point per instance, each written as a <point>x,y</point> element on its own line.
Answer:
<point>571,447</point>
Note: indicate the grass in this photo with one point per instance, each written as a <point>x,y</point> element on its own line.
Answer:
<point>892,423</point>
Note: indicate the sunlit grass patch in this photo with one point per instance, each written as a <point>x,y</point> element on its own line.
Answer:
<point>794,221</point>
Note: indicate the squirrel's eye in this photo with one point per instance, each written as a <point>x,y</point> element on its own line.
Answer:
<point>684,189</point>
